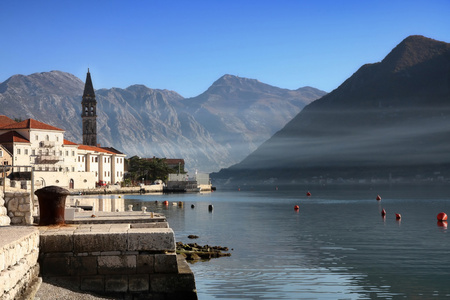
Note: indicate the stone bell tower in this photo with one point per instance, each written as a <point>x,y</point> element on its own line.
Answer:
<point>89,113</point>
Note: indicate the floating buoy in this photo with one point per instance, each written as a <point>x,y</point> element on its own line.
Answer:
<point>192,206</point>
<point>308,194</point>
<point>378,198</point>
<point>383,212</point>
<point>442,216</point>
<point>398,216</point>
<point>296,207</point>
<point>166,202</point>
<point>210,207</point>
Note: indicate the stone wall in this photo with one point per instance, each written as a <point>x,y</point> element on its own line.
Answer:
<point>123,259</point>
<point>19,207</point>
<point>19,269</point>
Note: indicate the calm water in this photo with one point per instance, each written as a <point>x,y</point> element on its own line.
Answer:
<point>337,246</point>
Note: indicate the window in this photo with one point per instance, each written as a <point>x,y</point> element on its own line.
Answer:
<point>1,153</point>
<point>73,169</point>
<point>60,153</point>
<point>47,138</point>
<point>83,159</point>
<point>73,153</point>
<point>26,151</point>
<point>36,137</point>
<point>18,151</point>
<point>96,159</point>
<point>57,138</point>
<point>67,153</point>
<point>79,159</point>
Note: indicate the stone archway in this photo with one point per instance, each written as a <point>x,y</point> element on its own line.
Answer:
<point>71,184</point>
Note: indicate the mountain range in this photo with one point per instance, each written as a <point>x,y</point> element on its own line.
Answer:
<point>214,130</point>
<point>390,121</point>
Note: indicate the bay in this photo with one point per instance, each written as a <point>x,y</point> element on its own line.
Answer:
<point>336,246</point>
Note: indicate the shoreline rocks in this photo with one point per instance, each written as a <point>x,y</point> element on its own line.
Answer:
<point>194,252</point>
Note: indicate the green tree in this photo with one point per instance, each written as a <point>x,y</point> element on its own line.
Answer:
<point>147,169</point>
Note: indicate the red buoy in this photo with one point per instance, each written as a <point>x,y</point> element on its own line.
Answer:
<point>166,202</point>
<point>383,212</point>
<point>378,198</point>
<point>398,216</point>
<point>296,207</point>
<point>442,216</point>
<point>308,194</point>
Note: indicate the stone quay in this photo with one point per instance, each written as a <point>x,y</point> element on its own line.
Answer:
<point>124,255</point>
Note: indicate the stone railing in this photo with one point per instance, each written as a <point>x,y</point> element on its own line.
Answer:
<point>19,207</point>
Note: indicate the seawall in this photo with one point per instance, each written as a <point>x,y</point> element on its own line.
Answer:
<point>126,255</point>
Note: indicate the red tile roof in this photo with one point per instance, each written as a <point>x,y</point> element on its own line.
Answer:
<point>96,149</point>
<point>30,124</point>
<point>67,142</point>
<point>12,137</point>
<point>4,120</point>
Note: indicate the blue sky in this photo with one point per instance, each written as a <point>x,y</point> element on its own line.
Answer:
<point>186,45</point>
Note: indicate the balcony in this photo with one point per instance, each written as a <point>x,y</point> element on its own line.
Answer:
<point>47,144</point>
<point>47,159</point>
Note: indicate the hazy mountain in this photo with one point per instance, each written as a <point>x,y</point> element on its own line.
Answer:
<point>242,113</point>
<point>151,122</point>
<point>388,120</point>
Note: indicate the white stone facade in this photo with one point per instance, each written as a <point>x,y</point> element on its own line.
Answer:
<point>57,161</point>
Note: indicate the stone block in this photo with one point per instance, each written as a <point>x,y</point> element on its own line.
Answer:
<point>171,283</point>
<point>166,263</point>
<point>92,283</point>
<point>116,283</point>
<point>99,241</point>
<point>138,283</point>
<point>117,264</point>
<point>13,204</point>
<point>62,241</point>
<point>151,225</point>
<point>145,264</point>
<point>83,265</point>
<point>17,220</point>
<point>151,239</point>
<point>55,266</point>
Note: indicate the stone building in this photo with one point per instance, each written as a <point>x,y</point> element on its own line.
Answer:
<point>57,161</point>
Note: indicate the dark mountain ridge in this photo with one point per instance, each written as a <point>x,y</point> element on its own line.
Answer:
<point>389,119</point>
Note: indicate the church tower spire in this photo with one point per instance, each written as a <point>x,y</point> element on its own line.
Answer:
<point>89,113</point>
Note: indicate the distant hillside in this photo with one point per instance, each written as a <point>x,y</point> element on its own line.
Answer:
<point>242,113</point>
<point>388,121</point>
<point>151,122</point>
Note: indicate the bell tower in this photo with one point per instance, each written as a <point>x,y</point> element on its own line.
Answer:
<point>89,113</point>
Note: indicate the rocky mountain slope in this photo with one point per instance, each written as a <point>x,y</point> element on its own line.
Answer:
<point>151,122</point>
<point>388,121</point>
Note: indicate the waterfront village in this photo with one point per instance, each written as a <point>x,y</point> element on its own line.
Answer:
<point>116,251</point>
